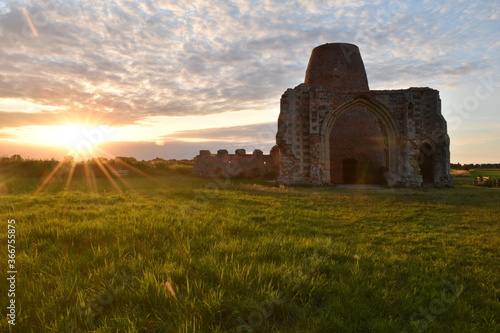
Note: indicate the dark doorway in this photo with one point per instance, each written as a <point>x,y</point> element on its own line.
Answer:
<point>426,164</point>
<point>349,170</point>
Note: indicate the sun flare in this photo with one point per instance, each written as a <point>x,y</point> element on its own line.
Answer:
<point>79,139</point>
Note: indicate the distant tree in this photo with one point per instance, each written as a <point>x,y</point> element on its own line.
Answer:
<point>129,160</point>
<point>68,159</point>
<point>159,164</point>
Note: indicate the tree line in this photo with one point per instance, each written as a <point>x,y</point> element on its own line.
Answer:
<point>458,166</point>
<point>18,166</point>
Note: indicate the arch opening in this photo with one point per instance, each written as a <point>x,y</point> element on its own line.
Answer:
<point>358,148</point>
<point>364,131</point>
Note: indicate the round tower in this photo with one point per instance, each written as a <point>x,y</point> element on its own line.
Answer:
<point>337,67</point>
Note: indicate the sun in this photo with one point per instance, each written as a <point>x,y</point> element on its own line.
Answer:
<point>81,140</point>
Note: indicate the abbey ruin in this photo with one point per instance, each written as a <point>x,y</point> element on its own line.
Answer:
<point>239,164</point>
<point>332,129</point>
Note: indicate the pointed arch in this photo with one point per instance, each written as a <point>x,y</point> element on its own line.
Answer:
<point>388,126</point>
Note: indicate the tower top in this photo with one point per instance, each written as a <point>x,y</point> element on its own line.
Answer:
<point>337,67</point>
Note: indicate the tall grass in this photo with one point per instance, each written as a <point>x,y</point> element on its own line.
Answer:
<point>182,254</point>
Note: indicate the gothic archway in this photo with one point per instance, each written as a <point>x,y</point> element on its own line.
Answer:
<point>389,132</point>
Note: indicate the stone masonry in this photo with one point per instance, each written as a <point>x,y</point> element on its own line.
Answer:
<point>333,129</point>
<point>239,164</point>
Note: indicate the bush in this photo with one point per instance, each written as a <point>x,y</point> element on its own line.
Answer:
<point>17,166</point>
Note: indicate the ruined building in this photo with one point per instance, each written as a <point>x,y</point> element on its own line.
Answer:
<point>239,164</point>
<point>332,129</point>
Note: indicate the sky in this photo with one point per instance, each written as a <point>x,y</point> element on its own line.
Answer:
<point>166,79</point>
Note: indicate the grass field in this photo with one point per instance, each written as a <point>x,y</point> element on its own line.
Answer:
<point>472,174</point>
<point>182,254</point>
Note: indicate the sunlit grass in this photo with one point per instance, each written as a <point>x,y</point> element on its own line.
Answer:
<point>472,174</point>
<point>242,256</point>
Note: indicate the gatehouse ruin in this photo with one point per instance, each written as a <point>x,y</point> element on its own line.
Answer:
<point>332,129</point>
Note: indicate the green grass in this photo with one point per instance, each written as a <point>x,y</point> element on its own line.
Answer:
<point>245,256</point>
<point>472,174</point>
<point>495,173</point>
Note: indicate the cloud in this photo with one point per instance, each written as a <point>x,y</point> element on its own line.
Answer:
<point>126,61</point>
<point>51,118</point>
<point>262,133</point>
<point>407,74</point>
<point>170,149</point>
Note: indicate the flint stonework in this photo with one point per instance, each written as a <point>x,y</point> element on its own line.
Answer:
<point>333,129</point>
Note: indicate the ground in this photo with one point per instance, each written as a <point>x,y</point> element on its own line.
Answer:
<point>183,254</point>
<point>472,174</point>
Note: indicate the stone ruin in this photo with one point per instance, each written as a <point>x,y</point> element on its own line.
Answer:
<point>239,164</point>
<point>332,129</point>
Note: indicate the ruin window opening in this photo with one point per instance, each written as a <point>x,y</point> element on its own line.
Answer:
<point>426,161</point>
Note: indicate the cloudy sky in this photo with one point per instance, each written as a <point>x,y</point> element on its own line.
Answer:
<point>168,78</point>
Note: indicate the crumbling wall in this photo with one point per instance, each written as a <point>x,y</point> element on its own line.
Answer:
<point>239,164</point>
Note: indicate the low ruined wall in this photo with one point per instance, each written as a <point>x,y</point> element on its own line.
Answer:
<point>239,164</point>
